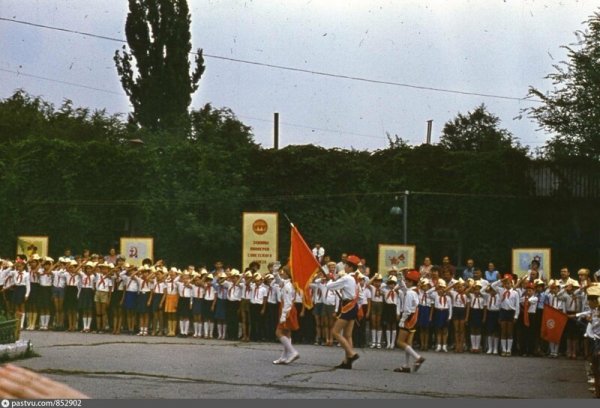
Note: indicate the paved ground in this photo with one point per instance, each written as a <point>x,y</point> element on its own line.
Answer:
<point>107,366</point>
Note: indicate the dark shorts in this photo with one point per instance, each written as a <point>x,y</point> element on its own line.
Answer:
<point>220,309</point>
<point>491,322</point>
<point>58,293</point>
<point>459,313</point>
<point>115,299</point>
<point>197,306</point>
<point>376,308</point>
<point>317,309</point>
<point>327,310</point>
<point>351,314</point>
<point>475,318</point>
<point>440,318</point>
<point>507,315</point>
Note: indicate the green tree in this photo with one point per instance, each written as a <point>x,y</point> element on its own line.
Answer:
<point>477,131</point>
<point>160,86</point>
<point>571,110</point>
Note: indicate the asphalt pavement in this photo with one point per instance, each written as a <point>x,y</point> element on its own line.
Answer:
<point>125,366</point>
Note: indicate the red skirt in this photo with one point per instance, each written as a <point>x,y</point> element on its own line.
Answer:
<point>291,323</point>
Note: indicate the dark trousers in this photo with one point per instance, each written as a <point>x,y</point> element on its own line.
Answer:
<point>271,321</point>
<point>359,335</point>
<point>528,334</point>
<point>232,319</point>
<point>257,323</point>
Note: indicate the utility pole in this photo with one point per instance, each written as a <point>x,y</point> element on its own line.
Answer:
<point>429,124</point>
<point>276,130</point>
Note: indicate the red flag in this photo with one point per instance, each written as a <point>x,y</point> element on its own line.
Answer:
<point>553,324</point>
<point>303,266</point>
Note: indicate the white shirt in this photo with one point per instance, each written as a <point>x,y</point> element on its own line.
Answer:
<point>259,292</point>
<point>287,294</point>
<point>103,283</point>
<point>59,278</point>
<point>346,286</point>
<point>21,279</point>
<point>234,292</point>
<point>459,299</point>
<point>46,279</point>
<point>273,293</point>
<point>87,281</point>
<point>184,290</point>
<point>476,301</point>
<point>409,305</point>
<point>509,298</point>
<point>533,300</point>
<point>209,292</point>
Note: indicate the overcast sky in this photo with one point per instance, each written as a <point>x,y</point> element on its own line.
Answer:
<point>496,47</point>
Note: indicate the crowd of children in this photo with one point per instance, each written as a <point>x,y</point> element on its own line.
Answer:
<point>501,316</point>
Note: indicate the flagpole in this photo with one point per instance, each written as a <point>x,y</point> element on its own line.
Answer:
<point>288,218</point>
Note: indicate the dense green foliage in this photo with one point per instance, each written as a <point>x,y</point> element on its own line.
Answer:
<point>72,175</point>
<point>155,74</point>
<point>571,110</point>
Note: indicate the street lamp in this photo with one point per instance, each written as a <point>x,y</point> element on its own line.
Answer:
<point>396,210</point>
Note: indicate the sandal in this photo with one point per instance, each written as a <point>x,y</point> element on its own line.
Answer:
<point>402,370</point>
<point>418,363</point>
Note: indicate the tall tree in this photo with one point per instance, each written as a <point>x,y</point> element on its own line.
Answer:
<point>161,85</point>
<point>477,131</point>
<point>571,110</point>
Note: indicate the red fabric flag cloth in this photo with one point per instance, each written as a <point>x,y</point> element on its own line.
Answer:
<point>553,324</point>
<point>303,266</point>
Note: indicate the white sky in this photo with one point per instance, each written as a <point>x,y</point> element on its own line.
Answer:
<point>486,46</point>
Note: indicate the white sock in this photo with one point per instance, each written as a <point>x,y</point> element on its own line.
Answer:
<point>393,343</point>
<point>407,357</point>
<point>412,352</point>
<point>388,335</point>
<point>379,334</point>
<point>496,341</point>
<point>206,329</point>
<point>211,328</point>
<point>181,327</point>
<point>509,345</point>
<point>220,330</point>
<point>22,320</point>
<point>196,329</point>
<point>287,344</point>
<point>477,344</point>
<point>224,331</point>
<point>490,343</point>
<point>373,336</point>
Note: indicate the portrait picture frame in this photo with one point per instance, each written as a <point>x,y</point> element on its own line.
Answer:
<point>522,257</point>
<point>26,243</point>
<point>388,254</point>
<point>136,249</point>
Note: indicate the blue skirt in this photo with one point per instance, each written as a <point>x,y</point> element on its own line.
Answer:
<point>491,322</point>
<point>18,295</point>
<point>220,309</point>
<point>476,318</point>
<point>197,306</point>
<point>440,318</point>
<point>130,301</point>
<point>156,298</point>
<point>142,302</point>
<point>423,319</point>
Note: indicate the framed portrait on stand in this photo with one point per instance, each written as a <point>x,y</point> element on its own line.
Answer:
<point>395,257</point>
